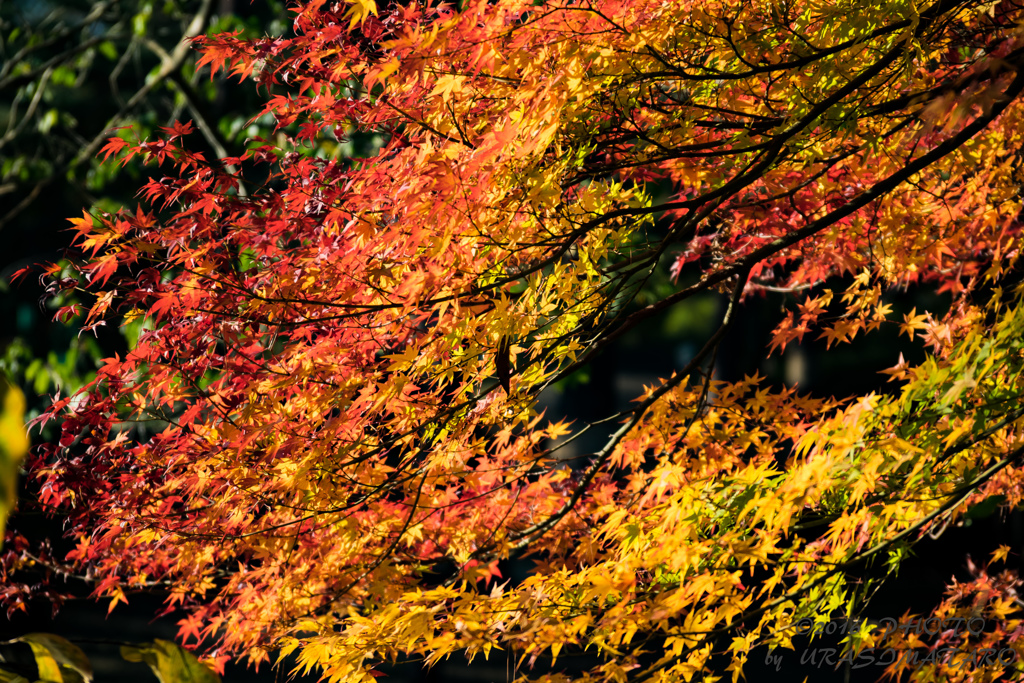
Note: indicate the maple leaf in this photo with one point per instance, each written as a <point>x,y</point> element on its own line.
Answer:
<point>191,627</point>
<point>360,11</point>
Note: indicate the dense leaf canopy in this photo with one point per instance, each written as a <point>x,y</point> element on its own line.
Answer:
<point>327,438</point>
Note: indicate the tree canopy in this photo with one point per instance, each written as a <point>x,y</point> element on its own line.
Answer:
<point>326,440</point>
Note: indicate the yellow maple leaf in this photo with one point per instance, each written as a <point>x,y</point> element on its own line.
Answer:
<point>360,11</point>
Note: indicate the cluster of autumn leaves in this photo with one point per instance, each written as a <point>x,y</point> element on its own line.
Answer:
<point>309,446</point>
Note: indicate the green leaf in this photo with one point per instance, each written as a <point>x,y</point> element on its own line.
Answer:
<point>72,664</point>
<point>246,260</point>
<point>140,21</point>
<point>48,121</point>
<point>109,50</point>
<point>170,663</point>
<point>985,508</point>
<point>64,75</point>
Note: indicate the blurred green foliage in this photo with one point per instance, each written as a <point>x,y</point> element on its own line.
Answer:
<point>58,660</point>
